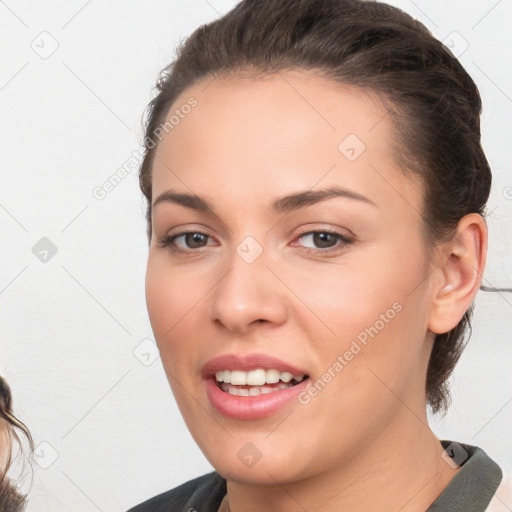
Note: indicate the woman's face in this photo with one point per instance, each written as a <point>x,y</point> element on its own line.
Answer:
<point>347,305</point>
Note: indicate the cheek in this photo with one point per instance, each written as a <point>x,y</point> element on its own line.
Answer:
<point>161,301</point>
<point>345,300</point>
<point>373,315</point>
<point>171,295</point>
<point>172,300</point>
<point>167,304</point>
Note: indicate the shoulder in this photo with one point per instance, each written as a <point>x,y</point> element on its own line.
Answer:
<point>203,493</point>
<point>474,485</point>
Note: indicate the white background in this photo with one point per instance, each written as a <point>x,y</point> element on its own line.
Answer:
<point>108,431</point>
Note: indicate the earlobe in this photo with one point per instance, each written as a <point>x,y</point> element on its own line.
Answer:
<point>462,267</point>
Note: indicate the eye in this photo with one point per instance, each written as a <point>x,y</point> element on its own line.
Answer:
<point>325,240</point>
<point>192,240</point>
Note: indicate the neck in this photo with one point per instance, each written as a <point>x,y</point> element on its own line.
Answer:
<point>401,469</point>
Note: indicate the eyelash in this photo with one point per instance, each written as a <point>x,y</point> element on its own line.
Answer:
<point>168,241</point>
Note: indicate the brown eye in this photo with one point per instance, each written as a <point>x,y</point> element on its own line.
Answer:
<point>194,240</point>
<point>325,241</point>
<point>190,240</point>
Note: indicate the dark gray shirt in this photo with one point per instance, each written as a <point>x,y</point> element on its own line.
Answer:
<point>470,490</point>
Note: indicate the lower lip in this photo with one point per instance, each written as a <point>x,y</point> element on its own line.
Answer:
<point>252,407</point>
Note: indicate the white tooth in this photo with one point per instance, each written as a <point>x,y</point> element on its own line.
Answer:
<point>272,376</point>
<point>256,377</point>
<point>283,385</point>
<point>286,376</point>
<point>255,391</point>
<point>239,378</point>
<point>232,390</point>
<point>266,389</point>
<point>243,392</point>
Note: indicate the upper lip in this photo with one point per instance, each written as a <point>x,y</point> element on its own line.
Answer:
<point>247,362</point>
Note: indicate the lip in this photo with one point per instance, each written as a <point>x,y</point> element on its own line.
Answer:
<point>250,407</point>
<point>247,362</point>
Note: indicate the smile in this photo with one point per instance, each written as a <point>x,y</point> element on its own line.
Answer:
<point>252,386</point>
<point>255,382</point>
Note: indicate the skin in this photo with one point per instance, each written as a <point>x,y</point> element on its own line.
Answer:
<point>10,499</point>
<point>4,446</point>
<point>363,443</point>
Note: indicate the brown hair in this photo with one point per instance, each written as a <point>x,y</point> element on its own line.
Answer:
<point>433,102</point>
<point>10,498</point>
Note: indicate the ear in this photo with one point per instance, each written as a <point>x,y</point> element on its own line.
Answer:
<point>462,264</point>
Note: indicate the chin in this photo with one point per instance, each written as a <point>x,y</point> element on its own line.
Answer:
<point>257,475</point>
<point>250,465</point>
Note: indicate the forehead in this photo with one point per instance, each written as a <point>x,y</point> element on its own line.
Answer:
<point>284,131</point>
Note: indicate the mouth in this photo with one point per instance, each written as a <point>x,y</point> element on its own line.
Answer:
<point>259,381</point>
<point>249,387</point>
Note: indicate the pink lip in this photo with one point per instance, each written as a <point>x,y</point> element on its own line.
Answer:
<point>246,363</point>
<point>249,407</point>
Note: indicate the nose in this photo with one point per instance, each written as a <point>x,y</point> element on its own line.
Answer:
<point>248,294</point>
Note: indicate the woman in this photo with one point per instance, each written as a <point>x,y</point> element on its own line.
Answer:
<point>10,498</point>
<point>316,195</point>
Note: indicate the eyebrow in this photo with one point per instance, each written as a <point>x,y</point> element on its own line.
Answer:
<point>284,204</point>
